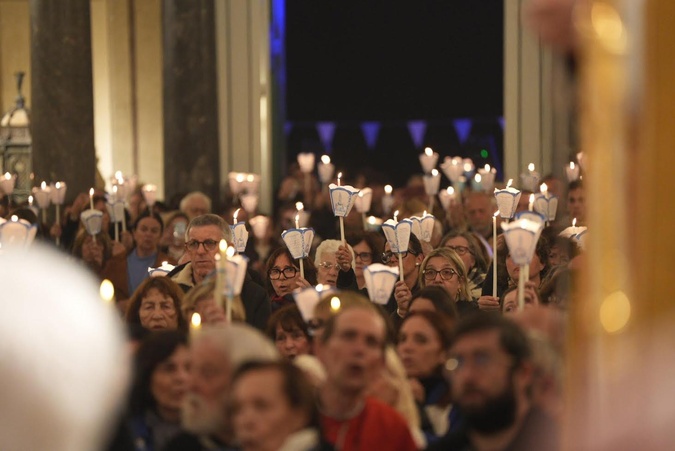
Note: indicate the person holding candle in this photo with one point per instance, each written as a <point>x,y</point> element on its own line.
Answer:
<point>403,291</point>
<point>474,255</point>
<point>283,276</point>
<point>162,372</point>
<point>94,251</point>
<point>326,262</point>
<point>203,237</point>
<point>200,299</point>
<point>367,246</point>
<point>443,267</point>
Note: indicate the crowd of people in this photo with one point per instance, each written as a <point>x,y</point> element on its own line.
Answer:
<point>446,363</point>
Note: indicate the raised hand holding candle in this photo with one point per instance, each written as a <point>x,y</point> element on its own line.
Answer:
<point>494,254</point>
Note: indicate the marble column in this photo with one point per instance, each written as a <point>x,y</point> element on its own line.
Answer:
<point>62,93</point>
<point>191,144</point>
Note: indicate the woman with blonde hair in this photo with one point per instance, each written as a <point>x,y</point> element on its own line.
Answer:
<point>201,299</point>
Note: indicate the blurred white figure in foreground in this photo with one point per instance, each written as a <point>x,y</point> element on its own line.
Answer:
<point>65,367</point>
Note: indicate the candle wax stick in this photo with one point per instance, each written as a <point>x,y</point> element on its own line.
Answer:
<point>400,267</point>
<point>494,256</point>
<point>527,272</point>
<point>228,308</point>
<point>431,204</point>
<point>342,230</point>
<point>124,223</point>
<point>302,268</point>
<point>521,288</point>
<point>117,232</point>
<point>218,292</point>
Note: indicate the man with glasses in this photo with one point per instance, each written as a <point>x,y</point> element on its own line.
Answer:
<point>202,239</point>
<point>491,375</point>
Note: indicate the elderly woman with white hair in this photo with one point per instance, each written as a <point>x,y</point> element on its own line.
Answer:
<point>325,261</point>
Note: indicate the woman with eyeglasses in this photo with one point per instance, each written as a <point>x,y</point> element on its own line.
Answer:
<point>283,276</point>
<point>367,247</point>
<point>326,263</point>
<point>473,254</point>
<point>444,268</point>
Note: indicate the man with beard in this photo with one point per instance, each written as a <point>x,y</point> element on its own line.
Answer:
<point>491,377</point>
<point>216,353</point>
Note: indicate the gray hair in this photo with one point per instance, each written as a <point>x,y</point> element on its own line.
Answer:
<point>331,247</point>
<point>238,343</point>
<point>194,195</point>
<point>210,220</point>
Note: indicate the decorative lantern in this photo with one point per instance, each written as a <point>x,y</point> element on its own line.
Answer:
<point>16,145</point>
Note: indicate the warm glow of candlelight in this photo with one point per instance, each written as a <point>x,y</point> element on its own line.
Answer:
<point>388,189</point>
<point>114,187</point>
<point>478,178</point>
<point>371,219</point>
<point>325,159</point>
<point>14,218</point>
<point>396,215</point>
<point>360,194</point>
<point>434,172</point>
<point>424,215</point>
<point>107,291</point>
<point>338,178</point>
<point>572,165</point>
<point>544,188</point>
<point>239,178</point>
<point>30,200</point>
<point>229,253</point>
<point>43,185</point>
<point>222,246</point>
<point>91,192</point>
<point>467,167</point>
<point>509,183</point>
<point>299,206</point>
<point>297,221</point>
<point>196,321</point>
<point>450,190</point>
<point>8,176</point>
<point>118,175</point>
<point>234,216</point>
<point>487,168</point>
<point>250,178</point>
<point>428,152</point>
<point>530,167</point>
<point>496,214</point>
<point>58,185</point>
<point>335,303</point>
<point>574,222</point>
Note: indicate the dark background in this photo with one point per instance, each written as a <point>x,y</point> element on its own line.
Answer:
<point>392,61</point>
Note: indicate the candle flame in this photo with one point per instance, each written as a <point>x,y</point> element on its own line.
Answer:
<point>388,189</point>
<point>299,206</point>
<point>396,215</point>
<point>14,218</point>
<point>8,175</point>
<point>196,321</point>
<point>319,287</point>
<point>450,190</point>
<point>571,164</point>
<point>428,152</point>
<point>30,200</point>
<point>250,178</point>
<point>114,187</point>
<point>544,188</point>
<point>43,185</point>
<point>487,168</point>
<point>496,214</point>
<point>339,177</point>
<point>530,167</point>
<point>58,185</point>
<point>424,215</point>
<point>574,222</point>
<point>468,167</point>
<point>509,183</point>
<point>164,263</point>
<point>434,172</point>
<point>531,198</point>
<point>360,194</point>
<point>91,192</point>
<point>371,219</point>
<point>118,175</point>
<point>478,178</point>
<point>236,213</point>
<point>239,177</point>
<point>229,253</point>
<point>335,303</point>
<point>107,291</point>
<point>222,246</point>
<point>325,159</point>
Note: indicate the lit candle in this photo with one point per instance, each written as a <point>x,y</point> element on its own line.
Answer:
<point>508,185</point>
<point>531,204</point>
<point>530,167</point>
<point>297,220</point>
<point>574,225</point>
<point>325,169</point>
<point>234,216</point>
<point>396,216</point>
<point>195,323</point>
<point>220,272</point>
<point>107,291</point>
<point>544,190</point>
<point>338,178</point>
<point>494,254</point>
<point>30,201</point>
<point>229,253</point>
<point>387,199</point>
<point>428,160</point>
<point>91,198</point>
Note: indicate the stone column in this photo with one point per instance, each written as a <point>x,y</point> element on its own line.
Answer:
<point>62,93</point>
<point>190,99</point>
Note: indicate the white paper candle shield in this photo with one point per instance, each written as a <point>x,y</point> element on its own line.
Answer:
<point>250,183</point>
<point>239,236</point>
<point>149,194</point>
<point>7,183</point>
<point>572,232</point>
<point>487,176</point>
<point>92,220</point>
<point>235,272</point>
<point>307,298</point>
<point>447,197</point>
<point>453,168</point>
<point>306,162</point>
<point>521,238</point>
<point>249,202</point>
<point>325,169</point>
<point>572,171</point>
<point>530,180</point>
<point>259,224</point>
<point>363,200</point>
<point>116,211</point>
<point>432,182</point>
<point>380,280</point>
<point>477,183</point>
<point>236,180</point>
<point>397,234</point>
<point>531,216</point>
<point>161,271</point>
<point>373,224</point>
<point>546,205</point>
<point>298,241</point>
<point>507,201</point>
<point>428,160</point>
<point>16,233</point>
<point>387,199</point>
<point>42,196</point>
<point>303,218</point>
<point>580,238</point>
<point>582,160</point>
<point>58,192</point>
<point>342,198</point>
<point>423,227</point>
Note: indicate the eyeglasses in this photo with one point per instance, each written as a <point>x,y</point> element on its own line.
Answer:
<point>289,272</point>
<point>364,256</point>
<point>446,274</point>
<point>387,256</point>
<point>209,245</point>
<point>327,266</point>
<point>461,250</point>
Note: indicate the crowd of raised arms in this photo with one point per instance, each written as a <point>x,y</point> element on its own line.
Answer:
<point>452,360</point>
